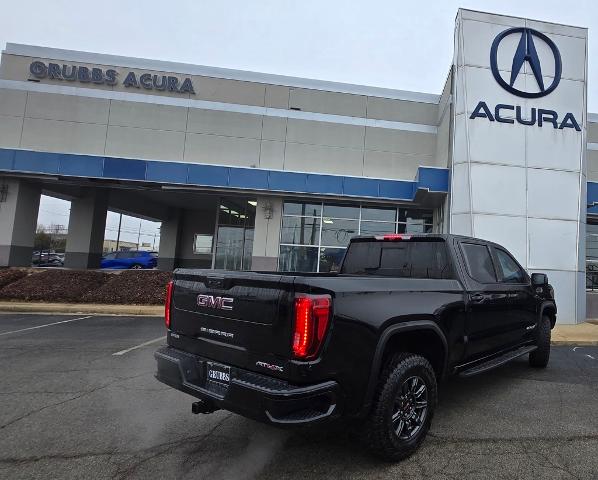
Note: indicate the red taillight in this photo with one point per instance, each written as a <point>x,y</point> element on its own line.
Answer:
<point>169,287</point>
<point>312,315</point>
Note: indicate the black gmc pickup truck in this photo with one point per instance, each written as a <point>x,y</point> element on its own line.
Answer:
<point>368,344</point>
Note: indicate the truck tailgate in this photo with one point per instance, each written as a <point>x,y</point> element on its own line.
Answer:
<point>233,317</point>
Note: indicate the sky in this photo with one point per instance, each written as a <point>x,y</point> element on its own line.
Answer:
<point>405,45</point>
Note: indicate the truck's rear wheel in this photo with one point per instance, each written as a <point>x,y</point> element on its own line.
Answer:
<point>403,407</point>
<point>539,357</point>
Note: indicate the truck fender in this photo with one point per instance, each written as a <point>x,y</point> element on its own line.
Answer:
<point>386,335</point>
<point>548,305</point>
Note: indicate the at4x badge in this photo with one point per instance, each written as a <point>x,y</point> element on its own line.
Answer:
<point>269,366</point>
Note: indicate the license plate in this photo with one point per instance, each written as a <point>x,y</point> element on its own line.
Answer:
<point>218,373</point>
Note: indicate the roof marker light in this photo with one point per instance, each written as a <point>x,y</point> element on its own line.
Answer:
<point>393,236</point>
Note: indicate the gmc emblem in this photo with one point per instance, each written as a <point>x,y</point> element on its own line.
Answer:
<point>219,303</point>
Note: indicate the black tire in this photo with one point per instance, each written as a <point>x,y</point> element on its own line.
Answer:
<point>539,357</point>
<point>390,401</point>
<point>136,266</point>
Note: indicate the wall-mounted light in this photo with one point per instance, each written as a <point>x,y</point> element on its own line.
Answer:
<point>3,192</point>
<point>268,210</point>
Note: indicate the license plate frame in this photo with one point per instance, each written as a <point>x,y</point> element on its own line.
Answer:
<point>218,373</point>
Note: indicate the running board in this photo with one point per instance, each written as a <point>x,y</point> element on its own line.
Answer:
<point>497,361</point>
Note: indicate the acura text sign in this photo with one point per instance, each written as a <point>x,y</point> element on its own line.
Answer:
<point>539,117</point>
<point>97,75</point>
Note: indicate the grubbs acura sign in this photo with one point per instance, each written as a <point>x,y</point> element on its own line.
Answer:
<point>526,52</point>
<point>97,75</point>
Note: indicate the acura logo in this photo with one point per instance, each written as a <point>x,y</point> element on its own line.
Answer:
<point>526,52</point>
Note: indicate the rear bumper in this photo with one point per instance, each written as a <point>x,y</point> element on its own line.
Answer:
<point>250,394</point>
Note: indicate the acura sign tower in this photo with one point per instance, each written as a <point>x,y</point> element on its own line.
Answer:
<point>518,145</point>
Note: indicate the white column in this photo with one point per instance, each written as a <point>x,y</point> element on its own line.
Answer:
<point>169,241</point>
<point>266,239</point>
<point>520,185</point>
<point>87,222</point>
<point>19,206</point>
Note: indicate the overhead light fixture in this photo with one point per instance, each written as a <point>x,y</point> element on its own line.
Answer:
<point>253,203</point>
<point>327,220</point>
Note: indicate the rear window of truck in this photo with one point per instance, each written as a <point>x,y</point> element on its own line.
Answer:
<point>406,259</point>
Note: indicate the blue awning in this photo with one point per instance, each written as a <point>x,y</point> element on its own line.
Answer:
<point>428,179</point>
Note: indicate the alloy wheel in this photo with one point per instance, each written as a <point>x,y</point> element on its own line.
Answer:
<point>410,408</point>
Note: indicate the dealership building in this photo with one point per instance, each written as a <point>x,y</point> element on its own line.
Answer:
<point>256,171</point>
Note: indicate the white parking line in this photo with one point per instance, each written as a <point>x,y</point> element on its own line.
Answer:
<point>46,325</point>
<point>122,352</point>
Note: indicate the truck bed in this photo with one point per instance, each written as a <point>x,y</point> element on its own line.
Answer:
<point>255,322</point>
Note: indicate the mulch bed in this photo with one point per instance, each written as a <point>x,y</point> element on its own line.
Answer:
<point>131,287</point>
<point>10,275</point>
<point>54,286</point>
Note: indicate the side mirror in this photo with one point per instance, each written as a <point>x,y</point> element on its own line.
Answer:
<point>539,279</point>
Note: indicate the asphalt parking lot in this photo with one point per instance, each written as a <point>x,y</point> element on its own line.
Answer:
<point>71,408</point>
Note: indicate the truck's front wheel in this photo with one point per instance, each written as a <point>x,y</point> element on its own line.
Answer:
<point>539,357</point>
<point>403,407</point>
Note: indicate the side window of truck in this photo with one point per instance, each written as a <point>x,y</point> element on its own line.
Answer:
<point>479,262</point>
<point>510,271</point>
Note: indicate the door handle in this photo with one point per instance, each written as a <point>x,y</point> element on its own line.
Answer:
<point>477,297</point>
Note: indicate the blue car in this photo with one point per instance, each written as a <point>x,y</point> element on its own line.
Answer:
<point>131,259</point>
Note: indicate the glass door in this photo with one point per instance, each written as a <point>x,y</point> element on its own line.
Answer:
<point>234,238</point>
<point>229,248</point>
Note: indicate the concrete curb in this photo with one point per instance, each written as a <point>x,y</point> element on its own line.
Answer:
<point>76,308</point>
<point>575,343</point>
<point>582,334</point>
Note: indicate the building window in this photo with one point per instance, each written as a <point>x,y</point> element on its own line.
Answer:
<point>314,236</point>
<point>234,238</point>
<point>592,255</point>
<point>202,243</point>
